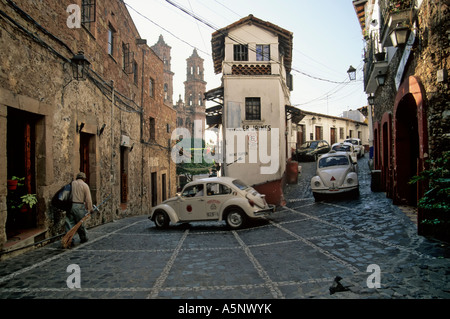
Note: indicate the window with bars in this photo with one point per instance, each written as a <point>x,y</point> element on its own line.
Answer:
<point>240,52</point>
<point>253,108</point>
<point>128,58</point>
<point>88,8</point>
<point>262,52</point>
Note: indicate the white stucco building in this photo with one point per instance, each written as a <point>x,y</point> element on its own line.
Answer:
<point>254,57</point>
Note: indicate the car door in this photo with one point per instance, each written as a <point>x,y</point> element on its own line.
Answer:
<point>216,196</point>
<point>191,205</point>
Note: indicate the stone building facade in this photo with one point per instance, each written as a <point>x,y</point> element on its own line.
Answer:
<point>411,117</point>
<point>114,126</point>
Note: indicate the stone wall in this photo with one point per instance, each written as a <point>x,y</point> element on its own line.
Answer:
<point>36,46</point>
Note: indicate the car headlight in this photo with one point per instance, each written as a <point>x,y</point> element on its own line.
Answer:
<point>349,180</point>
<point>317,183</point>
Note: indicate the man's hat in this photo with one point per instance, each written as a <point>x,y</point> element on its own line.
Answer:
<point>81,175</point>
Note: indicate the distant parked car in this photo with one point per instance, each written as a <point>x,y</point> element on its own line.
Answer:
<point>335,174</point>
<point>311,150</point>
<point>214,198</point>
<point>357,144</point>
<point>346,147</point>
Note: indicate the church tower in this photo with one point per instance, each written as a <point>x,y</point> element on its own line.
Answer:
<point>194,89</point>
<point>162,50</point>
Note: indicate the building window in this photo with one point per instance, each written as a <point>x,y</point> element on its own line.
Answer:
<point>152,129</point>
<point>127,58</point>
<point>111,36</point>
<point>253,108</point>
<point>135,72</point>
<point>262,52</point>
<point>200,99</point>
<point>240,52</point>
<point>341,133</point>
<point>166,90</point>
<point>88,13</point>
<point>151,87</point>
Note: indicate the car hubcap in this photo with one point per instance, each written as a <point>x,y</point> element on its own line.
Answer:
<point>235,219</point>
<point>159,219</point>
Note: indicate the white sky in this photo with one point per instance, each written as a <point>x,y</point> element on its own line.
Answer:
<point>327,40</point>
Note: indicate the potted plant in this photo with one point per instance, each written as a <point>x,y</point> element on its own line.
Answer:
<point>28,201</point>
<point>14,182</point>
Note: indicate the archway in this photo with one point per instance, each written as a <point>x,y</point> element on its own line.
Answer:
<point>411,141</point>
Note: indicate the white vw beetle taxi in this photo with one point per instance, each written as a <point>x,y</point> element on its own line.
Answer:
<point>346,147</point>
<point>209,199</point>
<point>336,173</point>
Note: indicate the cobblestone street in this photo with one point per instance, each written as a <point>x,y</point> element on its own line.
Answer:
<point>296,253</point>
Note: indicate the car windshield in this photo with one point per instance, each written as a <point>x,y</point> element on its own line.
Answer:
<point>342,148</point>
<point>240,184</point>
<point>354,142</point>
<point>309,145</point>
<point>333,161</point>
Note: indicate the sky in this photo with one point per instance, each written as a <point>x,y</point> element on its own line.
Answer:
<point>327,39</point>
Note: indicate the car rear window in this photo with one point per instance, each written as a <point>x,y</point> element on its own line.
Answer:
<point>333,161</point>
<point>240,184</point>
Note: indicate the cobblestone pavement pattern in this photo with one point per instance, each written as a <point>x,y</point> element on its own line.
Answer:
<point>295,253</point>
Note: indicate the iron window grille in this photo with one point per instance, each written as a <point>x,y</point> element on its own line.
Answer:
<point>253,109</point>
<point>240,52</point>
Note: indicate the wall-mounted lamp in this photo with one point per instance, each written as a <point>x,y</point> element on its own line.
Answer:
<point>80,66</point>
<point>371,99</point>
<point>399,35</point>
<point>381,79</point>
<point>351,73</point>
<point>100,131</point>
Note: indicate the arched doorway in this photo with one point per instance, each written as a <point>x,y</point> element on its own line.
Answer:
<point>410,141</point>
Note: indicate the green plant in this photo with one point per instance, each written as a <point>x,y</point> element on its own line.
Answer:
<point>29,199</point>
<point>436,201</point>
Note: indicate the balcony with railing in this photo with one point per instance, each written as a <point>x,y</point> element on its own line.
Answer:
<point>375,65</point>
<point>394,15</point>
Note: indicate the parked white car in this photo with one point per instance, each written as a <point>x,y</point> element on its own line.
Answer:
<point>346,147</point>
<point>357,144</point>
<point>225,198</point>
<point>335,174</point>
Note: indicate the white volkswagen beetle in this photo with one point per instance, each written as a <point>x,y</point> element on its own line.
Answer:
<point>209,199</point>
<point>336,173</point>
<point>346,147</point>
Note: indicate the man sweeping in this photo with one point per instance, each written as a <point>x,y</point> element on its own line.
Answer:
<point>81,204</point>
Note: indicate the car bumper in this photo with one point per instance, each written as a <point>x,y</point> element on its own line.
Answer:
<point>265,211</point>
<point>334,190</point>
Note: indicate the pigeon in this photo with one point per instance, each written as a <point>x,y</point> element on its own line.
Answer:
<point>337,286</point>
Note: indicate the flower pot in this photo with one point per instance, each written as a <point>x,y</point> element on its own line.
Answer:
<point>380,56</point>
<point>12,184</point>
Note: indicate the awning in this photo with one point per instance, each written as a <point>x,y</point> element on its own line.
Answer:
<point>294,114</point>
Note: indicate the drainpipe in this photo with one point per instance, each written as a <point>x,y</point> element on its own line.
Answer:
<point>112,146</point>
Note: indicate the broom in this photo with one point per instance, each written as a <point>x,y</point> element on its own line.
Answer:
<point>67,239</point>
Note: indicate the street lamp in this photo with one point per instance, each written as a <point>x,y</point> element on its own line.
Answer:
<point>381,79</point>
<point>351,73</point>
<point>399,35</point>
<point>80,66</point>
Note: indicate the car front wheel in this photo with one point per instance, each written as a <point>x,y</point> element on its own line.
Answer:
<point>235,218</point>
<point>161,219</point>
